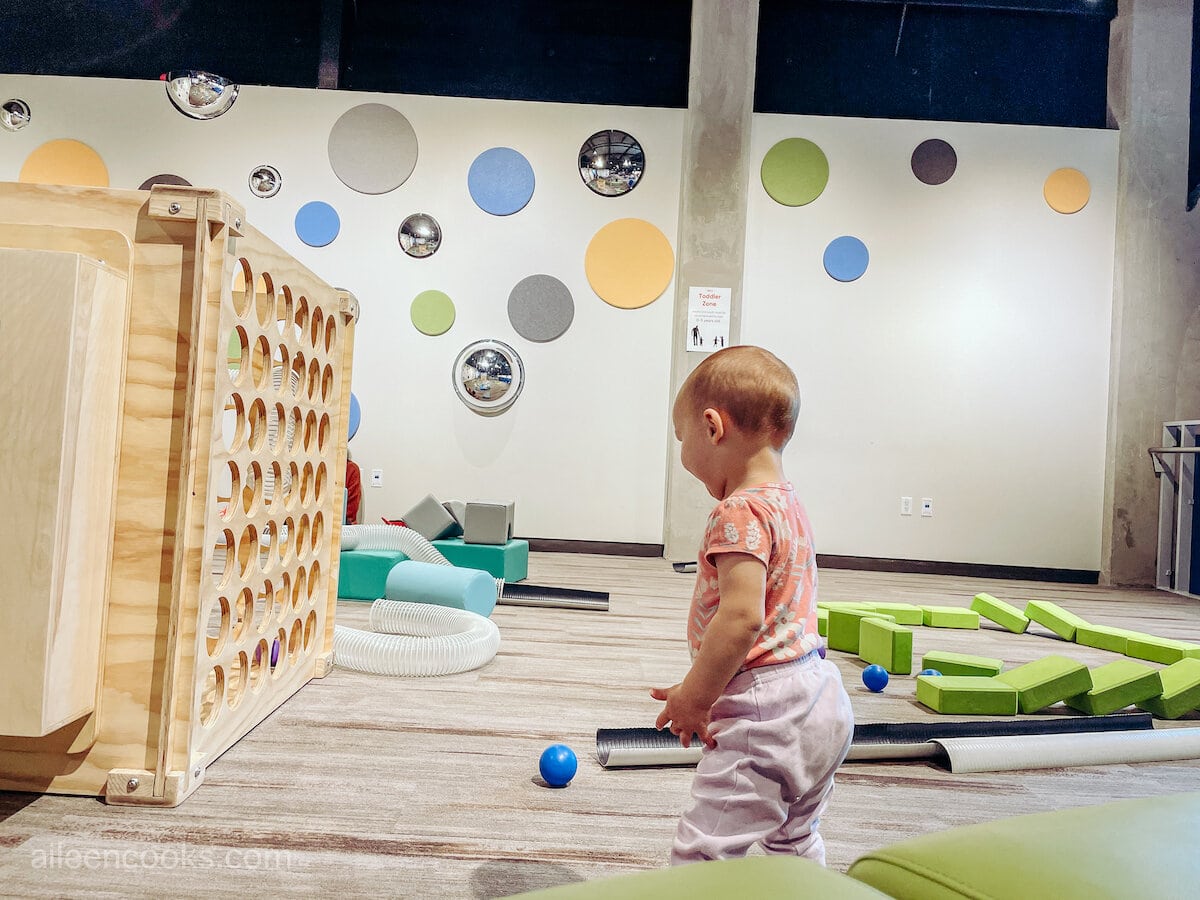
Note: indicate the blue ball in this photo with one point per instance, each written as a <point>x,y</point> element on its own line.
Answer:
<point>929,672</point>
<point>875,678</point>
<point>558,765</point>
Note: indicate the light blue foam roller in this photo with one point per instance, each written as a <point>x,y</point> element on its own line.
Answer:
<point>419,582</point>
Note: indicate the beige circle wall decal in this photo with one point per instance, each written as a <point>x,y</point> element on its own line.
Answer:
<point>65,162</point>
<point>1067,191</point>
<point>629,263</point>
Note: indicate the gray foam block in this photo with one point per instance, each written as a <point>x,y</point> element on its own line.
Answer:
<point>430,519</point>
<point>488,522</point>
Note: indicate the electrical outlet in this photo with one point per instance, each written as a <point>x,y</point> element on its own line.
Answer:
<point>377,478</point>
<point>927,506</point>
<point>906,506</point>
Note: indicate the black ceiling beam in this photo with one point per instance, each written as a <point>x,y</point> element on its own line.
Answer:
<point>1106,9</point>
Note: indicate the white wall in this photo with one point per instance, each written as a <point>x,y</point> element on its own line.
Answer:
<point>582,450</point>
<point>969,364</point>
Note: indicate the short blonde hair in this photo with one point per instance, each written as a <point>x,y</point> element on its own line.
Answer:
<point>753,386</point>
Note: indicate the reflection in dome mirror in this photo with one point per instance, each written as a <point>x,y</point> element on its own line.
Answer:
<point>420,235</point>
<point>265,181</point>
<point>611,163</point>
<point>201,95</point>
<point>488,376</point>
<point>14,114</point>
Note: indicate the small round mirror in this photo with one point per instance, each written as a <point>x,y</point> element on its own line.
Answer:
<point>265,181</point>
<point>420,235</point>
<point>201,95</point>
<point>488,376</point>
<point>611,163</point>
<point>14,115</point>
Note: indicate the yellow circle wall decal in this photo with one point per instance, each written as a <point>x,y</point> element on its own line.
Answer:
<point>1067,191</point>
<point>65,162</point>
<point>629,263</point>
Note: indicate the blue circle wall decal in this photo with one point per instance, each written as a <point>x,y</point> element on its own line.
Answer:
<point>355,416</point>
<point>846,258</point>
<point>500,181</point>
<point>317,223</point>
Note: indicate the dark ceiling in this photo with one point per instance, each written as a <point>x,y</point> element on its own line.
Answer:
<point>1021,61</point>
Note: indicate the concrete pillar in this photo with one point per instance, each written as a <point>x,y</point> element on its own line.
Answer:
<point>1156,292</point>
<point>712,215</point>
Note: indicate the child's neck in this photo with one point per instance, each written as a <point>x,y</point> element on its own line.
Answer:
<point>757,464</point>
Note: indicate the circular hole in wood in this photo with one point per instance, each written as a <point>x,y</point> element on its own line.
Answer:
<point>273,487</point>
<point>300,320</point>
<point>243,613</point>
<point>264,605</point>
<point>276,426</point>
<point>242,277</point>
<point>264,300</point>
<point>310,631</point>
<point>285,311</point>
<point>295,640</point>
<point>286,532</point>
<point>266,547</point>
<point>247,550</point>
<point>293,485</point>
<point>211,696</point>
<point>331,334</point>
<point>310,431</point>
<point>237,353</point>
<point>317,330</point>
<point>314,378</point>
<point>238,673</point>
<point>294,424</point>
<point>322,477</point>
<point>306,484</point>
<point>233,423</point>
<point>314,583</point>
<point>280,359</point>
<point>300,588</point>
<point>228,490</point>
<point>327,384</point>
<point>283,597</point>
<point>323,433</point>
<point>301,543</point>
<point>299,370</point>
<point>318,535</point>
<point>217,629</point>
<point>259,664</point>
<point>224,553</point>
<point>258,424</point>
<point>251,492</point>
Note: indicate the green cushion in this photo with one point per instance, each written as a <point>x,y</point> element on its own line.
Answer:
<point>1135,848</point>
<point>903,613</point>
<point>1160,650</point>
<point>961,663</point>
<point>950,617</point>
<point>362,574</point>
<point>887,644</point>
<point>1046,681</point>
<point>1103,637</point>
<point>843,627</point>
<point>775,877</point>
<point>1062,622</point>
<point>966,695</point>
<point>822,621</point>
<point>1000,612</point>
<point>1116,686</point>
<point>508,561</point>
<point>1181,690</point>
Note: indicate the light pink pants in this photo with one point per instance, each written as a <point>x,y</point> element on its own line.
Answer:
<point>782,731</point>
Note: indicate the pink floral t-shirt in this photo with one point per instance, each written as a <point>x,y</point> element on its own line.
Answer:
<point>769,523</point>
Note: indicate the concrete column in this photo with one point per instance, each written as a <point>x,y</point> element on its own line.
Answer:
<point>1156,292</point>
<point>712,215</point>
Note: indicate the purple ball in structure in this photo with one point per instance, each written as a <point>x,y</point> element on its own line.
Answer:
<point>275,653</point>
<point>821,650</point>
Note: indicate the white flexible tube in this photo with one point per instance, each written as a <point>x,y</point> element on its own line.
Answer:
<point>396,537</point>
<point>420,639</point>
<point>1050,751</point>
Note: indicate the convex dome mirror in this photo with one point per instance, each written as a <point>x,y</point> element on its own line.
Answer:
<point>488,376</point>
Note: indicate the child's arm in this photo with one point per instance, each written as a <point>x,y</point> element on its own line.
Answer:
<point>742,582</point>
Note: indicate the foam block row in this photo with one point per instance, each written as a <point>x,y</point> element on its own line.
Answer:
<point>966,695</point>
<point>363,574</point>
<point>844,627</point>
<point>1116,686</point>
<point>1181,690</point>
<point>1000,612</point>
<point>1160,650</point>
<point>887,644</point>
<point>950,617</point>
<point>1046,681</point>
<point>509,561</point>
<point>1050,615</point>
<point>1103,637</point>
<point>903,613</point>
<point>961,663</point>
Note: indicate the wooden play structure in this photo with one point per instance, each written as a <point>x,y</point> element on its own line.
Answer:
<point>175,407</point>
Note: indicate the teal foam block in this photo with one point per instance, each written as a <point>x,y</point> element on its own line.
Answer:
<point>1049,615</point>
<point>1046,681</point>
<point>1181,690</point>
<point>1160,650</point>
<point>509,561</point>
<point>418,582</point>
<point>362,574</point>
<point>966,695</point>
<point>1116,686</point>
<point>950,617</point>
<point>1000,612</point>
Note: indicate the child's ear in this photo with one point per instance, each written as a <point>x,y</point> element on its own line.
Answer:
<point>715,423</point>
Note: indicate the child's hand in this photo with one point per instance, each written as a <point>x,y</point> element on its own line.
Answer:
<point>686,714</point>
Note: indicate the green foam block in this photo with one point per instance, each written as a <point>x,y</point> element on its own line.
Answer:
<point>1050,615</point>
<point>903,613</point>
<point>362,574</point>
<point>508,561</point>
<point>843,627</point>
<point>1046,681</point>
<point>966,695</point>
<point>1117,685</point>
<point>950,617</point>
<point>1103,637</point>
<point>1160,650</point>
<point>1000,612</point>
<point>1181,690</point>
<point>961,663</point>
<point>887,644</point>
<point>822,621</point>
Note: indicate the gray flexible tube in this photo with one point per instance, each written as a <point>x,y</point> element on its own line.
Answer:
<point>1049,751</point>
<point>419,639</point>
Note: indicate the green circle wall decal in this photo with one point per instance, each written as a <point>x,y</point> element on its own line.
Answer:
<point>795,172</point>
<point>432,312</point>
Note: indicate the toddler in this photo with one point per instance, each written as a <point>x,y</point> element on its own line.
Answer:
<point>773,715</point>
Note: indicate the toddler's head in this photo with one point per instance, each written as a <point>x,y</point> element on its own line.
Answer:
<point>752,387</point>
